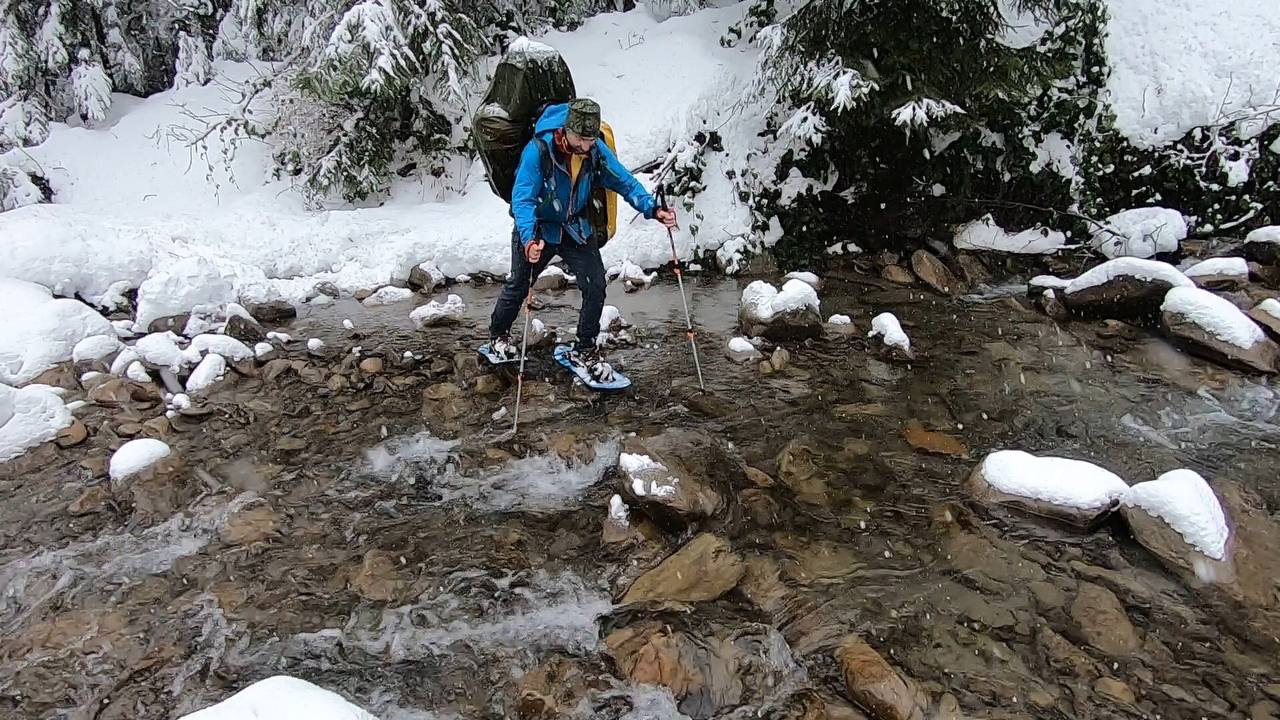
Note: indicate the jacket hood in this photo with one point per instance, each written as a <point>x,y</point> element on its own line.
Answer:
<point>553,118</point>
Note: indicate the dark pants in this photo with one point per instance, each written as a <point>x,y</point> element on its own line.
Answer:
<point>583,261</point>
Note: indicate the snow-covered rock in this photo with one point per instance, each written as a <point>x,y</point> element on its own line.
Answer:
<point>39,331</point>
<point>809,278</point>
<point>741,350</point>
<point>29,416</point>
<point>654,475</point>
<point>615,330</point>
<point>224,345</point>
<point>1141,233</point>
<point>986,234</point>
<point>1040,283</point>
<point>315,345</point>
<point>1267,314</point>
<point>282,338</point>
<point>180,286</point>
<point>208,373</point>
<point>552,278</point>
<point>1263,245</point>
<point>839,320</point>
<point>437,313</point>
<point>96,347</point>
<point>135,456</point>
<point>632,275</point>
<point>137,372</point>
<point>1208,325</point>
<point>426,277</point>
<point>1179,518</point>
<point>1123,288</point>
<point>1225,273</point>
<point>263,349</point>
<point>123,360</point>
<point>387,295</point>
<point>160,350</point>
<point>1073,491</point>
<point>282,698</point>
<point>887,327</point>
<point>791,313</point>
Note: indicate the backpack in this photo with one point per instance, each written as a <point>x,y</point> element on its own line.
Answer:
<point>530,77</point>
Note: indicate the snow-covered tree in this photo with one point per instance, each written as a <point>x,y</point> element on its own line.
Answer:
<point>22,123</point>
<point>193,67</point>
<point>90,88</point>
<point>16,188</point>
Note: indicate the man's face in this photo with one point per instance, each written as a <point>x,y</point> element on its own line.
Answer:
<point>577,144</point>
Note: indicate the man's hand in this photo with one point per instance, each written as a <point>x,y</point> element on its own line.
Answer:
<point>666,216</point>
<point>533,251</point>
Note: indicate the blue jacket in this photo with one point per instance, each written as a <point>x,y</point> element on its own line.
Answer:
<point>543,207</point>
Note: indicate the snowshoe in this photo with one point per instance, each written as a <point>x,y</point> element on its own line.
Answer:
<point>500,351</point>
<point>591,369</point>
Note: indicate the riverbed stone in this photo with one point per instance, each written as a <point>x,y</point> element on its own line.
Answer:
<point>699,673</point>
<point>1114,690</point>
<point>1168,545</point>
<point>273,312</point>
<point>489,384</point>
<point>73,434</point>
<point>677,493</point>
<point>1125,295</point>
<point>1078,516</point>
<point>1061,654</point>
<point>377,577</point>
<point>372,365</point>
<point>250,525</point>
<point>552,689</point>
<point>898,275</point>
<point>111,393</point>
<point>1270,323</point>
<point>934,273</point>
<point>1263,356</point>
<point>702,570</point>
<point>93,499</point>
<point>425,278</point>
<point>874,684</point>
<point>1102,621</point>
<point>246,330</point>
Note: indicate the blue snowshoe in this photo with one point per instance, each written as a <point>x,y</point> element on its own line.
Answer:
<point>591,369</point>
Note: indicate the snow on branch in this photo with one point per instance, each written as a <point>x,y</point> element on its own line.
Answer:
<point>920,112</point>
<point>367,49</point>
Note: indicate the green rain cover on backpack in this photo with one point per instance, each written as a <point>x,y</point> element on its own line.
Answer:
<point>529,77</point>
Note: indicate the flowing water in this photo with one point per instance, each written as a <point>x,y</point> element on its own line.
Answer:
<point>412,557</point>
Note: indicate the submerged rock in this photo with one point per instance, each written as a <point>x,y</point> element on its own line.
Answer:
<point>1204,324</point>
<point>665,475</point>
<point>704,569</point>
<point>874,684</point>
<point>1075,492</point>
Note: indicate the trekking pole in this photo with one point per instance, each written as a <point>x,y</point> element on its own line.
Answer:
<point>524,346</point>
<point>688,320</point>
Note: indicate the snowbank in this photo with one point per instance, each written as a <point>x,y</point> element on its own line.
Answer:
<point>768,302</point>
<point>1174,63</point>
<point>985,234</point>
<point>135,456</point>
<point>1130,267</point>
<point>887,326</point>
<point>1217,316</point>
<point>1141,233</point>
<point>28,417</point>
<point>1186,502</point>
<point>1055,480</point>
<point>38,331</point>
<point>179,287</point>
<point>282,698</point>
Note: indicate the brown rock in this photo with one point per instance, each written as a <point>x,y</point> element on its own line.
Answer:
<point>111,393</point>
<point>337,382</point>
<point>441,391</point>
<point>173,323</point>
<point>1121,297</point>
<point>704,569</point>
<point>91,500</point>
<point>1053,306</point>
<point>674,491</point>
<point>1114,690</point>
<point>898,275</point>
<point>780,358</point>
<point>855,410</point>
<point>933,442</point>
<point>798,469</point>
<point>1263,356</point>
<point>550,281</point>
<point>377,577</point>
<point>874,684</point>
<point>1102,621</point>
<point>245,330</point>
<point>1270,323</point>
<point>62,375</point>
<point>73,434</point>
<point>766,367</point>
<point>975,272</point>
<point>275,368</point>
<point>758,477</point>
<point>361,294</point>
<point>489,384</point>
<point>371,365</point>
<point>249,526</point>
<point>551,689</point>
<point>1168,545</point>
<point>930,269</point>
<point>290,444</point>
<point>1061,654</point>
<point>425,278</point>
<point>700,674</point>
<point>128,429</point>
<point>157,427</point>
<point>273,312</point>
<point>1264,253</point>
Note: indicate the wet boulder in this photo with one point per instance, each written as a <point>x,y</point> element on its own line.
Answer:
<point>874,684</point>
<point>1267,314</point>
<point>1263,245</point>
<point>1223,273</point>
<point>1204,324</point>
<point>246,330</point>
<point>551,278</point>
<point>787,314</point>
<point>1179,519</point>
<point>273,312</point>
<point>936,275</point>
<point>1123,288</point>
<point>897,275</point>
<point>425,278</point>
<point>552,689</point>
<point>1077,493</point>
<point>1102,621</point>
<point>668,475</point>
<point>704,569</point>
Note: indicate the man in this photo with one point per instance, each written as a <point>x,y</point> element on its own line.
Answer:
<point>551,219</point>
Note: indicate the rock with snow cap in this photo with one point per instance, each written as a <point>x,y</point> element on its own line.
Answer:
<point>804,276</point>
<point>741,350</point>
<point>665,476</point>
<point>889,330</point>
<point>787,314</point>
<point>1123,288</point>
<point>1179,519</point>
<point>426,278</point>
<point>1075,492</point>
<point>435,313</point>
<point>282,698</point>
<point>1223,273</point>
<point>1263,245</point>
<point>275,312</point>
<point>1267,314</point>
<point>551,278</point>
<point>1204,324</point>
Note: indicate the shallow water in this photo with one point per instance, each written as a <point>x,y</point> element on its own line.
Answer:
<point>415,560</point>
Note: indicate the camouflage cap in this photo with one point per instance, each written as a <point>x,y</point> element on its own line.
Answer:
<point>584,118</point>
